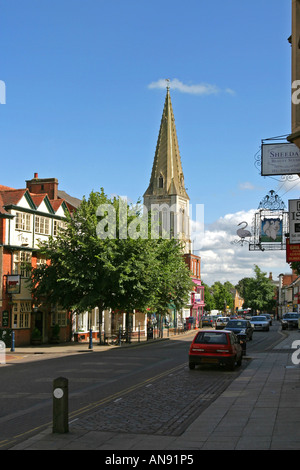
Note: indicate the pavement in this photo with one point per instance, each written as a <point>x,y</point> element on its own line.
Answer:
<point>259,410</point>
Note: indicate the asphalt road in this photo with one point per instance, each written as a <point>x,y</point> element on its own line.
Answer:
<point>147,389</point>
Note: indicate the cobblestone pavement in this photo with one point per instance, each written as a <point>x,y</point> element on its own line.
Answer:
<point>164,407</point>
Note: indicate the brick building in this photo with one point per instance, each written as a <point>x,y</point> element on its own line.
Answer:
<point>27,216</point>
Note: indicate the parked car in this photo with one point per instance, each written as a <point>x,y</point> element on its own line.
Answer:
<point>242,328</point>
<point>221,322</point>
<point>207,321</point>
<point>260,322</point>
<point>268,316</point>
<point>221,348</point>
<point>290,320</point>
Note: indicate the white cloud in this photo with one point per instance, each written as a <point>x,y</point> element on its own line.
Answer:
<point>246,186</point>
<point>223,261</point>
<point>197,89</point>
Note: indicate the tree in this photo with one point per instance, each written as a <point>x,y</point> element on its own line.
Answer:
<point>171,280</point>
<point>91,263</point>
<point>222,295</point>
<point>258,292</point>
<point>208,298</point>
<point>76,275</point>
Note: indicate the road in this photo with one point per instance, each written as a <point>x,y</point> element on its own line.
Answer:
<point>142,389</point>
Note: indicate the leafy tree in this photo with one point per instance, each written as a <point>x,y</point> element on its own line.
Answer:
<point>91,268</point>
<point>222,295</point>
<point>79,261</point>
<point>258,291</point>
<point>244,289</point>
<point>171,281</point>
<point>208,298</point>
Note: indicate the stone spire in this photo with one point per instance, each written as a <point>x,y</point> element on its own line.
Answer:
<point>166,195</point>
<point>167,174</point>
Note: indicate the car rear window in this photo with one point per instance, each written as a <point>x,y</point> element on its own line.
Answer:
<point>291,315</point>
<point>236,323</point>
<point>211,337</point>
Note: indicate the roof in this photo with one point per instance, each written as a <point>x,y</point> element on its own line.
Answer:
<point>73,201</point>
<point>12,197</point>
<point>167,160</point>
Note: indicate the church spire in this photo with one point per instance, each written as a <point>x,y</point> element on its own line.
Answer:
<point>167,174</point>
<point>166,192</point>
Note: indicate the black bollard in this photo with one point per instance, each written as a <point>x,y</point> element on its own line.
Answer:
<point>60,405</point>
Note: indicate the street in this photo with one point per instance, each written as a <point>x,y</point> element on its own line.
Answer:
<point>142,389</point>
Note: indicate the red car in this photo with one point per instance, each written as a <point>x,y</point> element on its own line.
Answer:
<point>222,348</point>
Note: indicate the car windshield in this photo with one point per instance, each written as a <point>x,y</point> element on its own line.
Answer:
<point>211,337</point>
<point>259,319</point>
<point>236,324</point>
<point>291,315</point>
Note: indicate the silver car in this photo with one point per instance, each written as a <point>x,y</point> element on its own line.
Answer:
<point>221,322</point>
<point>260,322</point>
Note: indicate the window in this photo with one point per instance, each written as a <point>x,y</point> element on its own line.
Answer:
<point>42,225</point>
<point>22,263</point>
<point>23,221</point>
<point>21,314</point>
<point>161,181</point>
<point>59,318</point>
<point>58,225</point>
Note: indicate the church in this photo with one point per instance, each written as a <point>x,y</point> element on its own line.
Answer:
<point>167,196</point>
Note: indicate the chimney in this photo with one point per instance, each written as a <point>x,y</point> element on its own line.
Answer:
<point>43,186</point>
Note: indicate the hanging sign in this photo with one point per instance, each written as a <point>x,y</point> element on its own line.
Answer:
<point>13,284</point>
<point>280,159</point>
<point>292,252</point>
<point>294,220</point>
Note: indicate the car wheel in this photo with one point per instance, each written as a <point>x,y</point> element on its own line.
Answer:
<point>239,362</point>
<point>191,366</point>
<point>231,365</point>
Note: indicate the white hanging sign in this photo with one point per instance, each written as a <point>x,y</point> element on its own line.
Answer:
<point>280,159</point>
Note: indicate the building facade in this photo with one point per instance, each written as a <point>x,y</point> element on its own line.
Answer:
<point>195,309</point>
<point>295,43</point>
<point>28,216</point>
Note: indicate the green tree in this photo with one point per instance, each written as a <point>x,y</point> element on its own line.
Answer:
<point>91,268</point>
<point>222,295</point>
<point>171,280</point>
<point>258,291</point>
<point>208,298</point>
<point>76,277</point>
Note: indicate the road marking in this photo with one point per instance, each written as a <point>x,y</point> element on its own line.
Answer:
<point>96,404</point>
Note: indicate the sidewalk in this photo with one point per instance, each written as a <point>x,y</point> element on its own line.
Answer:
<point>260,410</point>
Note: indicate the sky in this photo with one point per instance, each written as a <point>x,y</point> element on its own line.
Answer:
<point>84,94</point>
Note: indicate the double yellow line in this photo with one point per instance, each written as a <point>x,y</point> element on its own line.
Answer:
<point>91,406</point>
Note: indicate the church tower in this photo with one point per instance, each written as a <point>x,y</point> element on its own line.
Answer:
<point>166,194</point>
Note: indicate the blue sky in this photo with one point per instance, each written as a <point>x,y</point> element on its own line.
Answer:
<point>84,101</point>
